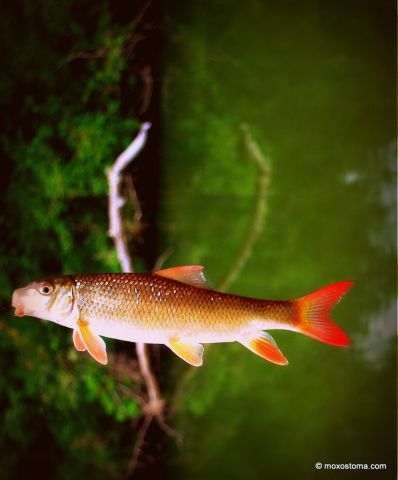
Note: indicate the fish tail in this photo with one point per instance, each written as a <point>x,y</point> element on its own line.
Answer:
<point>312,314</point>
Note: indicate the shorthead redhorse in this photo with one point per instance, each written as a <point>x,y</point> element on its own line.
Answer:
<point>175,307</point>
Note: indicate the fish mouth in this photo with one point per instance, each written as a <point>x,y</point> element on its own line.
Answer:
<point>17,304</point>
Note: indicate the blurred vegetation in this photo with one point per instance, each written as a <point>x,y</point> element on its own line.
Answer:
<point>310,81</point>
<point>64,123</point>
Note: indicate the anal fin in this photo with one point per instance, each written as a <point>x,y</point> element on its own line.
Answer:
<point>263,345</point>
<point>95,345</point>
<point>191,353</point>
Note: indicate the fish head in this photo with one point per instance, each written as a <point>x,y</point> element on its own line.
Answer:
<point>51,299</point>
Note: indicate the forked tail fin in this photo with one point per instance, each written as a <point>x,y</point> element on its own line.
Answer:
<point>312,316</point>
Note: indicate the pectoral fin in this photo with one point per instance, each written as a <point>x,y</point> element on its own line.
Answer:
<point>263,345</point>
<point>191,353</point>
<point>77,341</point>
<point>95,345</point>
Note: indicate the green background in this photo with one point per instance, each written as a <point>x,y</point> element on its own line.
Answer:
<point>312,83</point>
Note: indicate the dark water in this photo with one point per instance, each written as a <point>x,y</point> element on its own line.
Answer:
<point>315,82</point>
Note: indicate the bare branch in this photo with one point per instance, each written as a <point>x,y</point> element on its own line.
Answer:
<point>137,216</point>
<point>154,406</point>
<point>116,201</point>
<point>246,249</point>
<point>100,53</point>
<point>162,258</point>
<point>259,211</point>
<point>138,445</point>
<point>147,82</point>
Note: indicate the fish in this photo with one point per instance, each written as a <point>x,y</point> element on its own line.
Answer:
<point>177,308</point>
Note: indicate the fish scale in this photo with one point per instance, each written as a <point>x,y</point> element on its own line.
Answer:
<point>154,303</point>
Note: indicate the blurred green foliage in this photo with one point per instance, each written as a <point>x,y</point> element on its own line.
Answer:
<point>64,125</point>
<point>313,84</point>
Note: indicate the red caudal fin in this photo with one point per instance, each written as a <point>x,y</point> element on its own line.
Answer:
<point>312,314</point>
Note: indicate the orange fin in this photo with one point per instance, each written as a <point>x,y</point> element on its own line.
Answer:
<point>191,353</point>
<point>263,345</point>
<point>95,345</point>
<point>77,341</point>
<point>190,274</point>
<point>312,317</point>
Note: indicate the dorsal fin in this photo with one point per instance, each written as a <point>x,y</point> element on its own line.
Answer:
<point>190,274</point>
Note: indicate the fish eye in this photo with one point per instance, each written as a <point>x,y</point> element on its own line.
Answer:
<point>46,289</point>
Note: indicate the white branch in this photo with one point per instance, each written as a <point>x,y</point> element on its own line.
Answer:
<point>155,405</point>
<point>154,408</point>
<point>116,201</point>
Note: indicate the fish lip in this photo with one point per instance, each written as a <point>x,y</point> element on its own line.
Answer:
<point>19,312</point>
<point>17,304</point>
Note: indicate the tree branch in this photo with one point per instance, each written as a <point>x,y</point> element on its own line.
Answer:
<point>259,210</point>
<point>254,230</point>
<point>116,201</point>
<point>155,404</point>
<point>138,445</point>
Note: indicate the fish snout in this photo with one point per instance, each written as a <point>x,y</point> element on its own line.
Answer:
<point>17,302</point>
